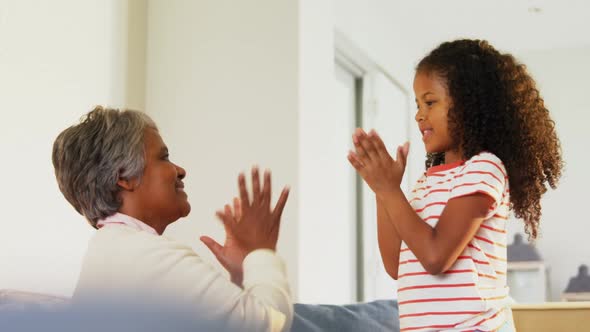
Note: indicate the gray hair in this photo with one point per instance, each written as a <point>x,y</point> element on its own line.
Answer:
<point>90,157</point>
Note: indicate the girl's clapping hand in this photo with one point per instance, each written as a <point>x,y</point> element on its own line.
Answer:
<point>374,164</point>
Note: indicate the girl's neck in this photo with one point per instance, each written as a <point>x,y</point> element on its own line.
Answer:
<point>453,156</point>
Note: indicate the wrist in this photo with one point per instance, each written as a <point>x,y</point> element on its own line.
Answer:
<point>387,195</point>
<point>256,247</point>
<point>237,278</point>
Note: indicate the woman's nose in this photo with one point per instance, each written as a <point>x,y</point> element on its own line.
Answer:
<point>181,172</point>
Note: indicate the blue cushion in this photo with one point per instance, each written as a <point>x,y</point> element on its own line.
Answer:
<point>375,316</point>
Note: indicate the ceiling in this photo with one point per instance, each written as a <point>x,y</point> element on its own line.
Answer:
<point>406,30</point>
<point>518,25</point>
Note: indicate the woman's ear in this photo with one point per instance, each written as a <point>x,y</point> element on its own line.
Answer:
<point>127,184</point>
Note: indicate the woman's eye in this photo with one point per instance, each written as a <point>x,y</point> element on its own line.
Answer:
<point>166,157</point>
<point>429,103</point>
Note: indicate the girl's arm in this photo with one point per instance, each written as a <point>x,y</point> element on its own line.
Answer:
<point>437,248</point>
<point>389,240</point>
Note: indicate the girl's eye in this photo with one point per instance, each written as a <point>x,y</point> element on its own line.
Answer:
<point>430,103</point>
<point>166,157</point>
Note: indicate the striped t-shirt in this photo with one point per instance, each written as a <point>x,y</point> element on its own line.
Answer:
<point>472,294</point>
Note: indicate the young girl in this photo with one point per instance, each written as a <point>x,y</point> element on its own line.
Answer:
<point>491,148</point>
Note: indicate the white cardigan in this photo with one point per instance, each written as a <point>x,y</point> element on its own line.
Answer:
<point>123,260</point>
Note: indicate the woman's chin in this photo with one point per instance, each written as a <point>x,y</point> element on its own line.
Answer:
<point>186,210</point>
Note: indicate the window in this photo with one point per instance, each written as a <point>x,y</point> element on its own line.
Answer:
<point>365,96</point>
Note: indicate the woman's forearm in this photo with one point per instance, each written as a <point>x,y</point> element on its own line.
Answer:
<point>389,240</point>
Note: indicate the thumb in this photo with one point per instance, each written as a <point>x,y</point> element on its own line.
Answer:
<point>403,153</point>
<point>406,149</point>
<point>216,249</point>
<point>211,244</point>
<point>399,156</point>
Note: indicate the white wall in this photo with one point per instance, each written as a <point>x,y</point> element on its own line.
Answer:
<point>57,60</point>
<point>318,224</point>
<point>370,26</point>
<point>562,78</point>
<point>222,84</point>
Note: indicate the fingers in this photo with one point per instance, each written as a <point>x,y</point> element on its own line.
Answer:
<point>228,212</point>
<point>357,138</point>
<point>222,217</point>
<point>378,145</point>
<point>255,185</point>
<point>406,149</point>
<point>278,210</point>
<point>355,161</point>
<point>400,157</point>
<point>237,209</point>
<point>367,145</point>
<point>266,188</point>
<point>226,218</point>
<point>243,191</point>
<point>402,153</point>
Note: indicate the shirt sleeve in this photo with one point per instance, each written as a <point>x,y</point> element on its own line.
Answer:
<point>264,303</point>
<point>485,174</point>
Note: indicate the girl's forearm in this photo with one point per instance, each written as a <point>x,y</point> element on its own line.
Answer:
<point>418,235</point>
<point>389,240</point>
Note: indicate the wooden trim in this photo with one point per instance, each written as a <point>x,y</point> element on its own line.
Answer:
<point>551,306</point>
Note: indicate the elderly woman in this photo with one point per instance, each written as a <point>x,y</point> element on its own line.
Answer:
<point>114,168</point>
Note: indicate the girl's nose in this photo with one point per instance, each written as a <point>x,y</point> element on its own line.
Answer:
<point>419,116</point>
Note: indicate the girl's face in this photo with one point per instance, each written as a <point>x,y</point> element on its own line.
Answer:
<point>433,103</point>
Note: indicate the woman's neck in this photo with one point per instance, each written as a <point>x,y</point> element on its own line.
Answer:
<point>131,209</point>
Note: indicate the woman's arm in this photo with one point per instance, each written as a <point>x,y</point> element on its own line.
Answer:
<point>252,230</point>
<point>389,240</point>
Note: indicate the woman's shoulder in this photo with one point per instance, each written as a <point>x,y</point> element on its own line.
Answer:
<point>115,237</point>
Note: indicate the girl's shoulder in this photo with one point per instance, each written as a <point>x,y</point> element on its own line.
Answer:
<point>480,162</point>
<point>485,161</point>
<point>485,156</point>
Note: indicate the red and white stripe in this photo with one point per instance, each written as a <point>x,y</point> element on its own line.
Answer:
<point>472,294</point>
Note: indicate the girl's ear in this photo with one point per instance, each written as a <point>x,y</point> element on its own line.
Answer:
<point>127,184</point>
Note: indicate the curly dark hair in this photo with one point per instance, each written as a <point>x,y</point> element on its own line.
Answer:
<point>496,107</point>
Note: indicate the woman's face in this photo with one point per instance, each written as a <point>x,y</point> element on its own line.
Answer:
<point>160,196</point>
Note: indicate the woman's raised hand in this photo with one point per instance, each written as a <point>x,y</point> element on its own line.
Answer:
<point>251,224</point>
<point>255,225</point>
